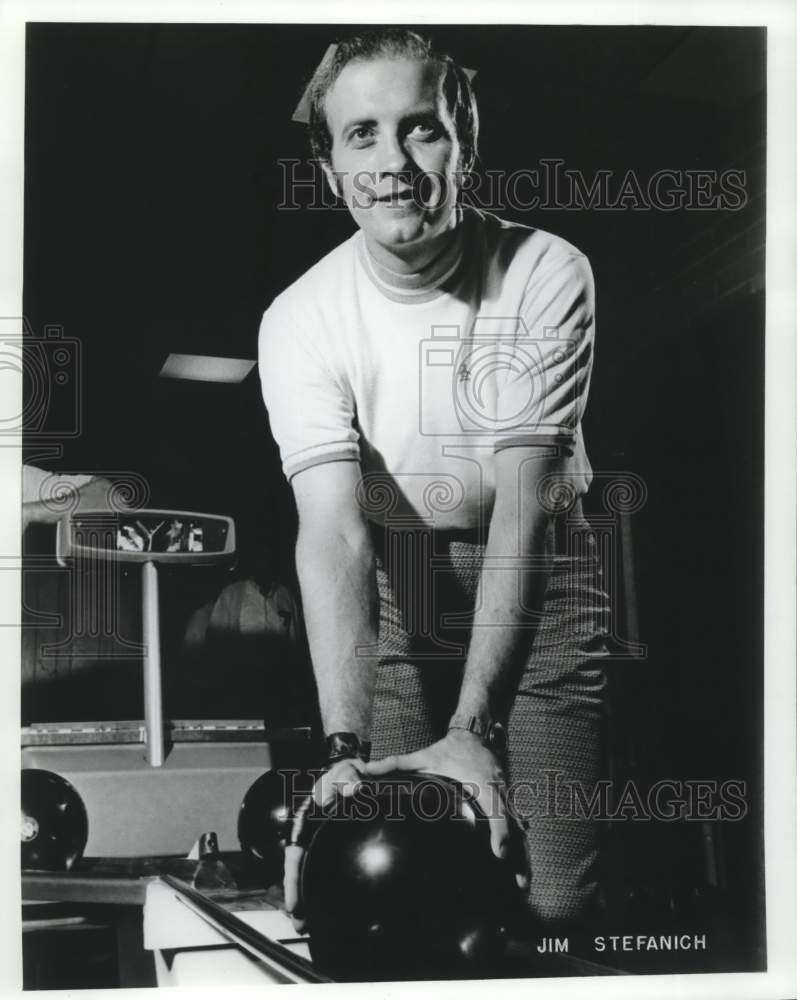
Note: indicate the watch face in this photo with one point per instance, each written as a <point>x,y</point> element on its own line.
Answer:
<point>341,745</point>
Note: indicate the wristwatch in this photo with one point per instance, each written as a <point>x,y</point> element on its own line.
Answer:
<point>492,734</point>
<point>342,746</point>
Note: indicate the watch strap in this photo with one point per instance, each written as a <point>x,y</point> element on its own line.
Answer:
<point>492,734</point>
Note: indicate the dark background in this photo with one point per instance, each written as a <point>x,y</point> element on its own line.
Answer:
<point>151,227</point>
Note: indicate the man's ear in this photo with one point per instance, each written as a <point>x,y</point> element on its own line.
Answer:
<point>332,178</point>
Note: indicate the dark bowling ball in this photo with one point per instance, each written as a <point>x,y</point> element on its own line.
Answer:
<point>264,821</point>
<point>55,826</point>
<point>399,882</point>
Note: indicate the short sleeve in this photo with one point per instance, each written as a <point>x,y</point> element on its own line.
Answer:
<point>310,408</point>
<point>543,396</point>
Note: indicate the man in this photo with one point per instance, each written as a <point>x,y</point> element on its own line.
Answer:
<point>425,382</point>
<point>254,627</point>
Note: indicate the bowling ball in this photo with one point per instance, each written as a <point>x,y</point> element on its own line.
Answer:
<point>265,817</point>
<point>55,826</point>
<point>399,882</point>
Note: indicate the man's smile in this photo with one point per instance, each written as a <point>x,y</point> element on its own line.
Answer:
<point>395,197</point>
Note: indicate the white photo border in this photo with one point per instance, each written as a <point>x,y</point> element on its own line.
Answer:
<point>780,18</point>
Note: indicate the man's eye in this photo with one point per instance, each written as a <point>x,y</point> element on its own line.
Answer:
<point>425,131</point>
<point>362,133</point>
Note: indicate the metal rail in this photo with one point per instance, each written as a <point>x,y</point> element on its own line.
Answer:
<point>280,959</point>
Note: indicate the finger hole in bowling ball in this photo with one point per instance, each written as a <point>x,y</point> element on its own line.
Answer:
<point>54,823</point>
<point>399,882</point>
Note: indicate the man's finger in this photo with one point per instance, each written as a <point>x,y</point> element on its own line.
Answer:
<point>499,836</point>
<point>323,790</point>
<point>518,846</point>
<point>396,762</point>
<point>342,779</point>
<point>507,839</point>
<point>490,799</point>
<point>328,787</point>
<point>293,865</point>
<point>350,788</point>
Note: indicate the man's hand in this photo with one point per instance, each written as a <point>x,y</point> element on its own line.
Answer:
<point>462,756</point>
<point>343,778</point>
<point>93,494</point>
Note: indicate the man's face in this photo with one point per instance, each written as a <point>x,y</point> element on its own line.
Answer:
<point>394,149</point>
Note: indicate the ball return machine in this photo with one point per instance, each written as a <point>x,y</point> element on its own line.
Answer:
<point>150,787</point>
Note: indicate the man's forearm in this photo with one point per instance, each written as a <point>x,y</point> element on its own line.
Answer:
<point>337,574</point>
<point>95,493</point>
<point>510,602</point>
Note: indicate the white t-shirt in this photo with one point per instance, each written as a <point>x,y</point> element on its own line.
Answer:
<point>423,381</point>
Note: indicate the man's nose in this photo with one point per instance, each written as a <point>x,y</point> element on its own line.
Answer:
<point>394,158</point>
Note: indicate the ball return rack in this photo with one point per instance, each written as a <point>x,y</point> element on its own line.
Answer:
<point>152,786</point>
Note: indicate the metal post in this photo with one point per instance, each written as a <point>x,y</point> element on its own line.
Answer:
<point>153,705</point>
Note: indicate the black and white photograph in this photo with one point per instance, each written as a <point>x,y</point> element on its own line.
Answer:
<point>397,504</point>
